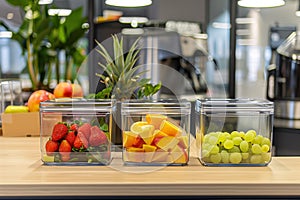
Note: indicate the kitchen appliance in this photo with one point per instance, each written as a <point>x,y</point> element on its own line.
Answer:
<point>283,84</point>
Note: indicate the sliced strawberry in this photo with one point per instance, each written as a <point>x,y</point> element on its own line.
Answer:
<point>85,129</point>
<point>80,141</point>
<point>71,137</point>
<point>97,137</point>
<point>59,131</point>
<point>51,147</point>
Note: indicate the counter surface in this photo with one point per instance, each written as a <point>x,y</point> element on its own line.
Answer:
<point>22,173</point>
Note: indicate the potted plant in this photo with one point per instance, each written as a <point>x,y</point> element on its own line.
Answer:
<point>43,37</point>
<point>122,79</point>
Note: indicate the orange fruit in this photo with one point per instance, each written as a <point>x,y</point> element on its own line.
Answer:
<point>155,119</point>
<point>170,129</point>
<point>128,139</point>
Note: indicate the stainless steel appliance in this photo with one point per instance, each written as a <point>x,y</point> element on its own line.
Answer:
<point>284,79</point>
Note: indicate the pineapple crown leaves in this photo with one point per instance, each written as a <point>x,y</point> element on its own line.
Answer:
<point>117,67</point>
<point>123,77</point>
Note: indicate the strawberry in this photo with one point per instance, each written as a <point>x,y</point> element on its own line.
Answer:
<point>85,129</point>
<point>65,150</point>
<point>74,127</point>
<point>51,147</point>
<point>59,132</point>
<point>71,137</point>
<point>97,136</point>
<point>64,146</point>
<point>65,156</point>
<point>80,141</point>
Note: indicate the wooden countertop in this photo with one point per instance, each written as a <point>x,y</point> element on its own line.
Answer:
<point>23,174</point>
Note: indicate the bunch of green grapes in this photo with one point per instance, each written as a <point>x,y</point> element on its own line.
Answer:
<point>235,148</point>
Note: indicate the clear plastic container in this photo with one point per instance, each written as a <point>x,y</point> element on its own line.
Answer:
<point>75,132</point>
<point>156,132</point>
<point>234,132</point>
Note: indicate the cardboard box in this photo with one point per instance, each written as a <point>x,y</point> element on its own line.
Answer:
<point>21,124</point>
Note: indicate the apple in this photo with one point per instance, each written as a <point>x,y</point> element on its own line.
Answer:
<point>66,89</point>
<point>77,90</point>
<point>63,89</point>
<point>37,97</point>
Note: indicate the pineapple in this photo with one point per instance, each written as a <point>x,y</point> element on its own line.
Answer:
<point>123,77</point>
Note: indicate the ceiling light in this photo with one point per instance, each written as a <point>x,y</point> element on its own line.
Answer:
<point>298,11</point>
<point>45,2</point>
<point>10,15</point>
<point>261,3</point>
<point>128,3</point>
<point>59,12</point>
<point>5,34</point>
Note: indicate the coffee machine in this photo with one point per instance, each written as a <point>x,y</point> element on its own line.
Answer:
<point>283,86</point>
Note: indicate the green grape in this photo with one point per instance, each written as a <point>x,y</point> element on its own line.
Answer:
<point>206,146</point>
<point>266,157</point>
<point>256,159</point>
<point>235,158</point>
<point>212,140</point>
<point>265,148</point>
<point>227,135</point>
<point>215,158</point>
<point>222,137</point>
<point>225,156</point>
<point>266,141</point>
<point>258,139</point>
<point>205,138</point>
<point>214,149</point>
<point>245,156</point>
<point>205,159</point>
<point>205,153</point>
<point>228,144</point>
<point>256,149</point>
<point>234,149</point>
<point>252,131</point>
<point>249,136</point>
<point>235,134</point>
<point>237,140</point>
<point>244,146</point>
<point>215,134</point>
<point>242,134</point>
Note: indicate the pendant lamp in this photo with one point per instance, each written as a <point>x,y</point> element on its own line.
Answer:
<point>261,3</point>
<point>128,3</point>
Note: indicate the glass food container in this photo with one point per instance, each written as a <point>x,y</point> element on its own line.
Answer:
<point>75,132</point>
<point>156,132</point>
<point>234,132</point>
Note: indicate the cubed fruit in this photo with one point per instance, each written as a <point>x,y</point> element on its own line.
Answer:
<point>138,142</point>
<point>183,141</point>
<point>160,156</point>
<point>128,139</point>
<point>179,155</point>
<point>155,119</point>
<point>133,154</point>
<point>159,134</point>
<point>149,152</point>
<point>144,130</point>
<point>167,143</point>
<point>170,129</point>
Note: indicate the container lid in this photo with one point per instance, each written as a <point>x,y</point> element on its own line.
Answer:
<point>75,105</point>
<point>226,105</point>
<point>291,46</point>
<point>169,106</point>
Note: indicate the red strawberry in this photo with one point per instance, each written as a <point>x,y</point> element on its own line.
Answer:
<point>74,127</point>
<point>65,156</point>
<point>80,141</point>
<point>97,136</point>
<point>51,147</point>
<point>85,129</point>
<point>64,146</point>
<point>71,137</point>
<point>65,150</point>
<point>59,132</point>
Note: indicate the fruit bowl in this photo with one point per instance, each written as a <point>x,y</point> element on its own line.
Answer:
<point>234,132</point>
<point>75,132</point>
<point>156,132</point>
